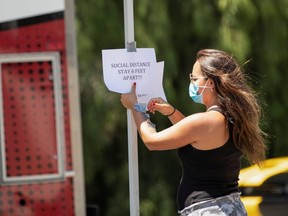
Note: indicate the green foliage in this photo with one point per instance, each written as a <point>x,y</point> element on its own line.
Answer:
<point>251,30</point>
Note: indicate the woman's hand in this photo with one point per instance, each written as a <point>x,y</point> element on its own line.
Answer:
<point>160,105</point>
<point>128,100</point>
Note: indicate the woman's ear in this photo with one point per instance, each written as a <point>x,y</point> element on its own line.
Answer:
<point>211,83</point>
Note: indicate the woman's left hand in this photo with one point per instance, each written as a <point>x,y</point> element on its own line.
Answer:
<point>129,99</point>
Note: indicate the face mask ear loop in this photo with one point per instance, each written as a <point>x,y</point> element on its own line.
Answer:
<point>203,88</point>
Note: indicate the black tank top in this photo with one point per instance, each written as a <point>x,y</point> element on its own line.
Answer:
<point>208,173</point>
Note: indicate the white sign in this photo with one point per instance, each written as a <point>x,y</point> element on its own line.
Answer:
<point>121,69</point>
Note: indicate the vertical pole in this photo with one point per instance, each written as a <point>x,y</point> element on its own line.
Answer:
<point>74,105</point>
<point>128,21</point>
<point>132,130</point>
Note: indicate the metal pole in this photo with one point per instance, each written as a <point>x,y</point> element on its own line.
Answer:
<point>74,105</point>
<point>132,130</point>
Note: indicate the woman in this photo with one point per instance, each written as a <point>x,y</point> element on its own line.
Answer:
<point>210,144</point>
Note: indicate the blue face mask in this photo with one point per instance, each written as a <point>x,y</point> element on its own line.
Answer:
<point>193,89</point>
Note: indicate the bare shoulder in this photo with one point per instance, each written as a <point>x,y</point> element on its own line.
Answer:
<point>207,119</point>
<point>211,129</point>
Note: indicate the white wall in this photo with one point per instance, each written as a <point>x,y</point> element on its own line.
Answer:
<point>18,9</point>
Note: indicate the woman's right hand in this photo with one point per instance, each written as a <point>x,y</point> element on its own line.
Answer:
<point>160,105</point>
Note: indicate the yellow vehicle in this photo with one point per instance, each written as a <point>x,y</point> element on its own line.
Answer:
<point>265,188</point>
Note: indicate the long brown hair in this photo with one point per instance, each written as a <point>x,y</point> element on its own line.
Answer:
<point>237,100</point>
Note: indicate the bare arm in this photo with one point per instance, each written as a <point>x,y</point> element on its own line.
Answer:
<point>173,137</point>
<point>176,117</point>
<point>202,130</point>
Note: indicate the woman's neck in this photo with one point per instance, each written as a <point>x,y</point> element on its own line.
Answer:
<point>211,107</point>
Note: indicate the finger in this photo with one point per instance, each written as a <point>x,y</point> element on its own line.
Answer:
<point>151,103</point>
<point>152,110</point>
<point>159,104</point>
<point>150,106</point>
<point>155,104</point>
<point>133,89</point>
